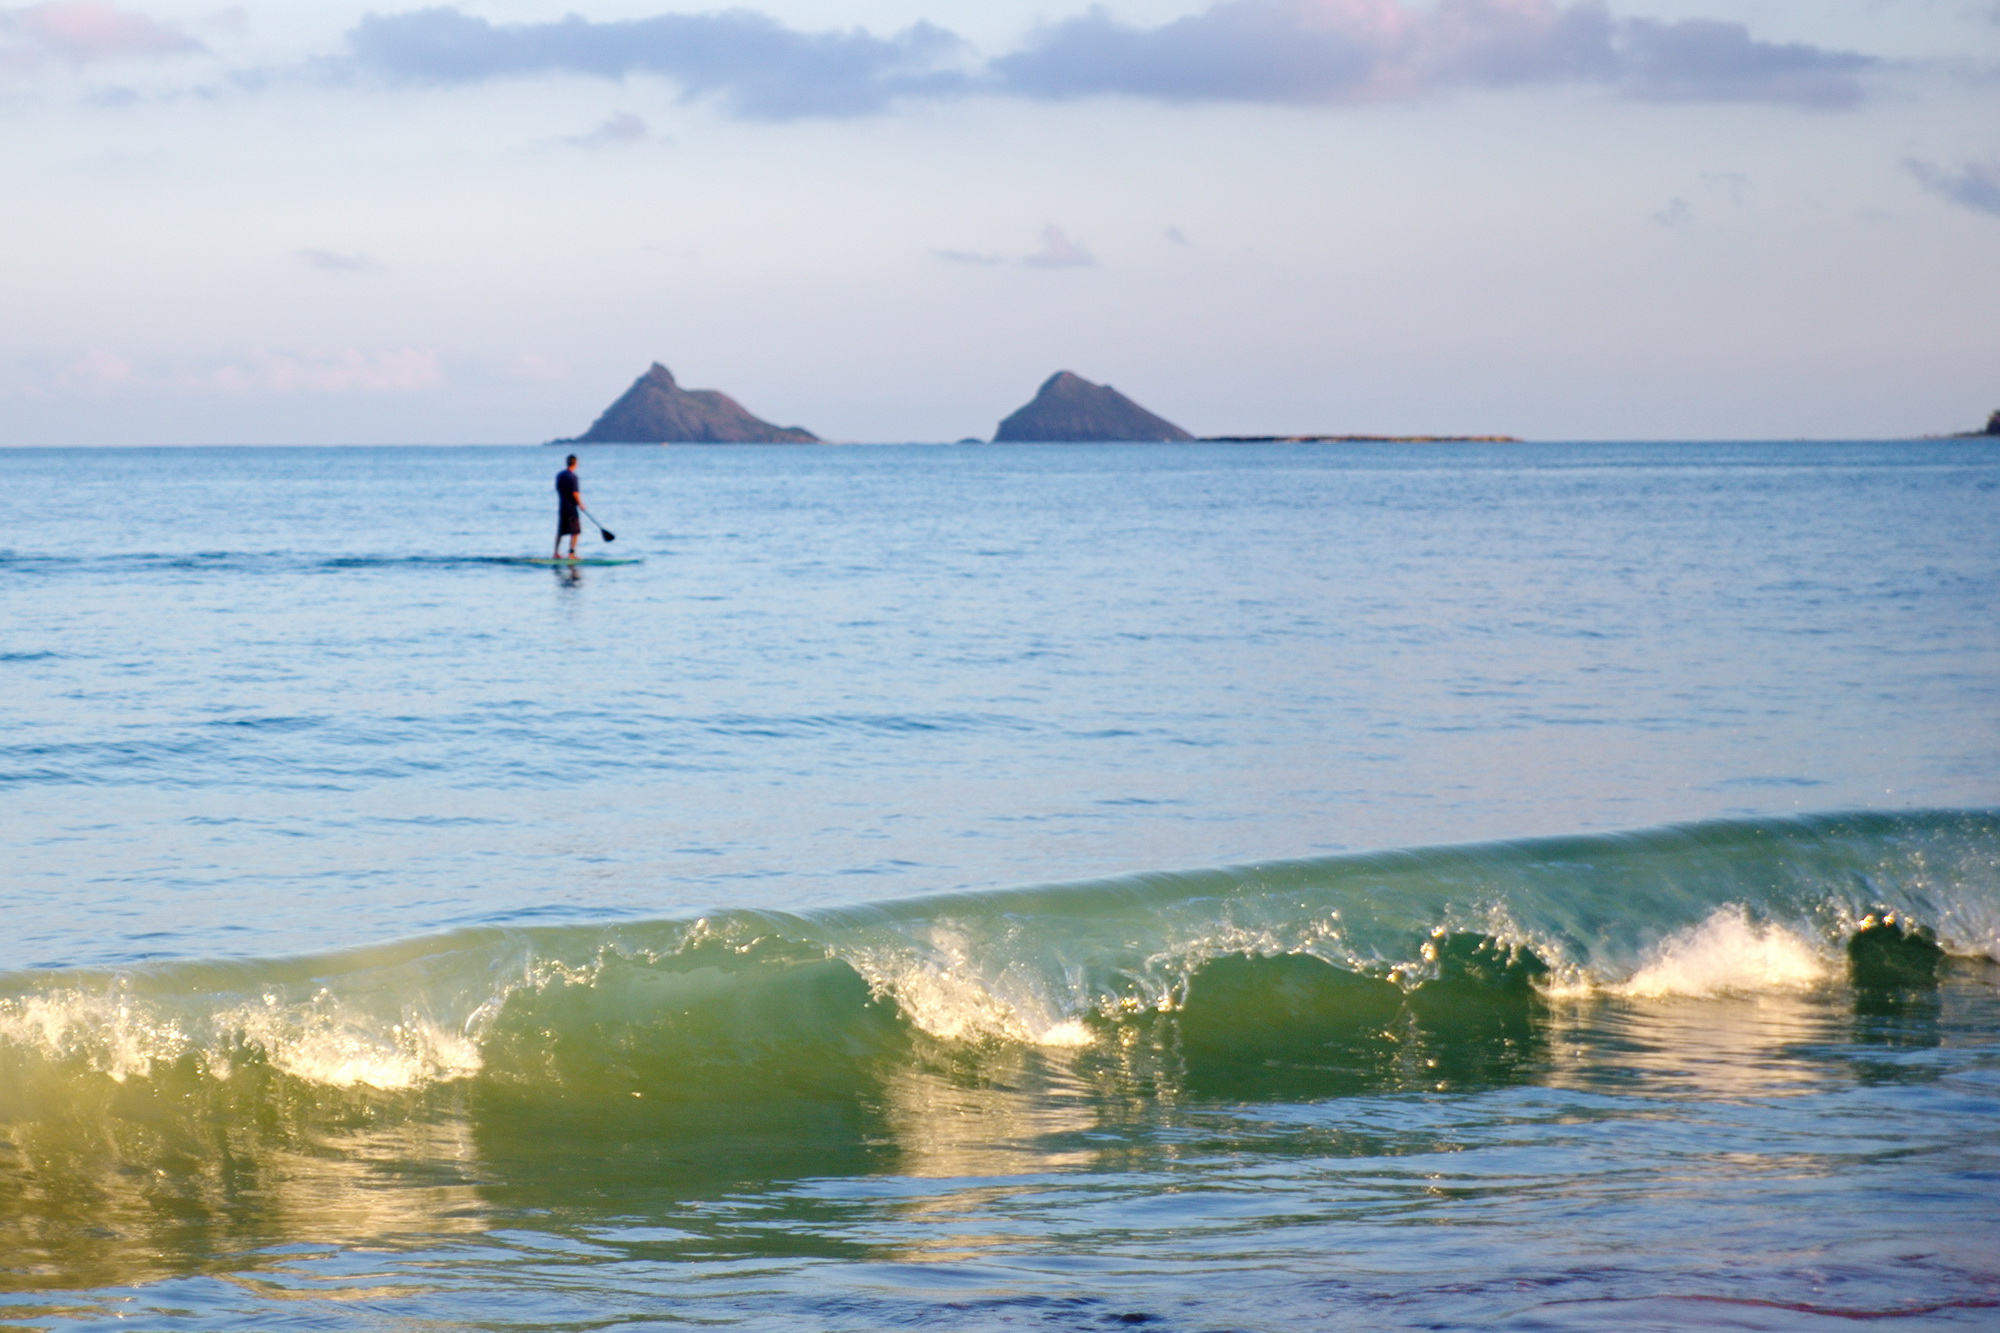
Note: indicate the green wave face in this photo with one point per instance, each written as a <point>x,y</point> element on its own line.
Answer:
<point>155,1119</point>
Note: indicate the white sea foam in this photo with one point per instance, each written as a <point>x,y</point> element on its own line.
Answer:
<point>945,983</point>
<point>936,987</point>
<point>1727,953</point>
<point>123,1037</point>
<point>322,1042</point>
<point>105,1031</point>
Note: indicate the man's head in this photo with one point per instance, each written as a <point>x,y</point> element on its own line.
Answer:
<point>571,461</point>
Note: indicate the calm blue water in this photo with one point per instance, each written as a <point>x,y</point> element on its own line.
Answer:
<point>811,926</point>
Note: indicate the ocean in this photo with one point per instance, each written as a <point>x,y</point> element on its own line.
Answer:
<point>1202,887</point>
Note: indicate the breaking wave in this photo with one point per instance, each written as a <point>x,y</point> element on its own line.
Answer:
<point>1289,955</point>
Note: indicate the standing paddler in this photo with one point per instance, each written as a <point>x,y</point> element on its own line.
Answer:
<point>569,508</point>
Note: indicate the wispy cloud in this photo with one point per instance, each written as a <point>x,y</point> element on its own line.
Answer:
<point>335,261</point>
<point>973,257</point>
<point>83,32</point>
<point>1731,185</point>
<point>1056,250</point>
<point>1681,213</point>
<point>1974,185</point>
<point>615,131</point>
<point>753,65</point>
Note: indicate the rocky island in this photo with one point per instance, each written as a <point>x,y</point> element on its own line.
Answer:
<point>655,410</point>
<point>1069,409</point>
<point>1992,428</point>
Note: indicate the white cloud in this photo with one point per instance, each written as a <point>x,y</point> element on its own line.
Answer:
<point>1057,250</point>
<point>84,32</point>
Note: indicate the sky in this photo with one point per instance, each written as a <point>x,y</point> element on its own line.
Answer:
<point>478,221</point>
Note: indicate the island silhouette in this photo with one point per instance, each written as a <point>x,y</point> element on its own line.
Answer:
<point>1069,409</point>
<point>1066,409</point>
<point>656,410</point>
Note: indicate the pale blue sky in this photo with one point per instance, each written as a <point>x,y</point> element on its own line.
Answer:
<point>889,220</point>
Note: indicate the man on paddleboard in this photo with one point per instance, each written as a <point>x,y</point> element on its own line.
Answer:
<point>569,504</point>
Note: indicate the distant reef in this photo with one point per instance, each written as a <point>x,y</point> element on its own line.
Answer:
<point>1069,409</point>
<point>1360,439</point>
<point>1989,432</point>
<point>655,410</point>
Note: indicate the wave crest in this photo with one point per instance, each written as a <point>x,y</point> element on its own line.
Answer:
<point>750,1000</point>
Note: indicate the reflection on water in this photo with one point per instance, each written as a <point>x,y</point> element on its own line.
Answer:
<point>992,1111</point>
<point>949,1152</point>
<point>149,1178</point>
<point>1758,1045</point>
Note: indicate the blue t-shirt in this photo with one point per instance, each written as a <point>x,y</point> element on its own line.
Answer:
<point>566,487</point>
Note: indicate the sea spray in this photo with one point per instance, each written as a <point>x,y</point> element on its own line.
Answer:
<point>1728,952</point>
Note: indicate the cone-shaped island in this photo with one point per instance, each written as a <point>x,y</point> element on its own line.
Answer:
<point>1069,409</point>
<point>655,410</point>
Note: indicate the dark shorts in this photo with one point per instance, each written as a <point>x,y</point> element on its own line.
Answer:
<point>568,521</point>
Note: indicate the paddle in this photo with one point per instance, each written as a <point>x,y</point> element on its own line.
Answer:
<point>609,535</point>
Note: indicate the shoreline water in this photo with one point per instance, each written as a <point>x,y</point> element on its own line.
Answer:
<point>448,943</point>
<point>809,1119</point>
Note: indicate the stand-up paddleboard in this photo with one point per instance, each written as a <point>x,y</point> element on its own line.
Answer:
<point>563,561</point>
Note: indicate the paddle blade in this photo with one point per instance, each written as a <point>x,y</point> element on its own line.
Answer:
<point>609,535</point>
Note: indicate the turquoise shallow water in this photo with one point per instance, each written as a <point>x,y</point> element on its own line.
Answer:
<point>806,927</point>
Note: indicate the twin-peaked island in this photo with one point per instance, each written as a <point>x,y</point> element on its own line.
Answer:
<point>1068,408</point>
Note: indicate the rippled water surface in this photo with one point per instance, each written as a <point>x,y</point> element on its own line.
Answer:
<point>817,924</point>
